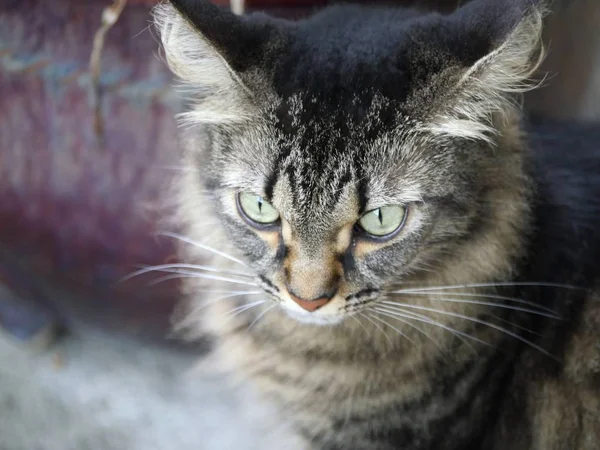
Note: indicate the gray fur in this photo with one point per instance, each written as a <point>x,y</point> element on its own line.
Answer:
<point>352,374</point>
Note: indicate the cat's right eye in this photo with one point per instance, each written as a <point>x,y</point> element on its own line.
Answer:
<point>384,222</point>
<point>256,210</point>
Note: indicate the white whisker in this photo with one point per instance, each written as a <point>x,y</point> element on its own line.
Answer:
<point>376,317</point>
<point>490,304</point>
<point>403,307</point>
<point>202,246</point>
<point>378,327</point>
<point>163,267</point>
<point>178,168</point>
<point>360,323</point>
<point>143,30</point>
<point>476,295</point>
<point>240,309</point>
<point>206,276</point>
<point>217,291</point>
<point>412,325</point>
<point>212,301</point>
<point>190,316</point>
<point>260,316</point>
<point>163,279</point>
<point>477,285</point>
<point>423,268</point>
<point>428,320</point>
<point>508,322</point>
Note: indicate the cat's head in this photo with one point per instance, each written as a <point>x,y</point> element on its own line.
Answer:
<point>360,150</point>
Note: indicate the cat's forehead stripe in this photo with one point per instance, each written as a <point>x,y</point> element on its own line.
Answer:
<point>319,156</point>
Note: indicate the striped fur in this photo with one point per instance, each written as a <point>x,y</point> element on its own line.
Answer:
<point>345,112</point>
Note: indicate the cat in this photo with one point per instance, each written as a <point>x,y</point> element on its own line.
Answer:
<point>401,258</point>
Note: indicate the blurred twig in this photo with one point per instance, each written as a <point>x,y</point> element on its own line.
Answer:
<point>110,15</point>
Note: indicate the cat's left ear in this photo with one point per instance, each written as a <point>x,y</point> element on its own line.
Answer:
<point>219,54</point>
<point>498,44</point>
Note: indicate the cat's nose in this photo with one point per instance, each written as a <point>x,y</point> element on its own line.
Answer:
<point>310,305</point>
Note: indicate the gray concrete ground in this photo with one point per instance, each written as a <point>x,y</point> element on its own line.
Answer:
<point>95,392</point>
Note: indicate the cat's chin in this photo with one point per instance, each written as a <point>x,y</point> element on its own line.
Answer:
<point>314,318</point>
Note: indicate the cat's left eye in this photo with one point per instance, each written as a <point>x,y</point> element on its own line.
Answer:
<point>383,222</point>
<point>256,209</point>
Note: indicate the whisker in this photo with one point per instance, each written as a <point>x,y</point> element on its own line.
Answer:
<point>202,246</point>
<point>423,268</point>
<point>163,279</point>
<point>244,309</point>
<point>162,267</point>
<point>240,309</point>
<point>217,291</point>
<point>426,319</point>
<point>190,316</point>
<point>378,327</point>
<point>412,325</point>
<point>376,317</point>
<point>479,321</point>
<point>178,168</point>
<point>143,30</point>
<point>508,322</point>
<point>476,295</point>
<point>206,304</point>
<point>236,294</point>
<point>260,316</point>
<point>206,276</point>
<point>476,285</point>
<point>360,323</point>
<point>491,304</point>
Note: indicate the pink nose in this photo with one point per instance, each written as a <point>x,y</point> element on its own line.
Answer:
<point>310,305</point>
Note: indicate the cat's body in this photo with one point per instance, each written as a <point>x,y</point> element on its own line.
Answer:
<point>546,404</point>
<point>464,314</point>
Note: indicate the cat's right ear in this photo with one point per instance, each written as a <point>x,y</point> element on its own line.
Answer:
<point>497,46</point>
<point>219,54</point>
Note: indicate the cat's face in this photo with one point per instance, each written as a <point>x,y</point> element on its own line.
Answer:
<point>358,152</point>
<point>330,218</point>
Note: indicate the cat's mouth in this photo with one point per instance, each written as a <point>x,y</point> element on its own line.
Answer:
<point>321,311</point>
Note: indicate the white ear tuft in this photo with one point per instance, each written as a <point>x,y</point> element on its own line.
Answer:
<point>219,94</point>
<point>493,85</point>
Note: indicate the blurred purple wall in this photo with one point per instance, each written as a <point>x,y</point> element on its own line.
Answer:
<point>76,208</point>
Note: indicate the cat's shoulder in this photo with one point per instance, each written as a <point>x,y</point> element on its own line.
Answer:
<point>566,407</point>
<point>551,405</point>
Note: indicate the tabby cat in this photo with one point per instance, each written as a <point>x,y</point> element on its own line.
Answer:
<point>400,258</point>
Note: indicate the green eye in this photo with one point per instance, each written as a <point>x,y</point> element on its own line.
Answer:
<point>383,221</point>
<point>257,209</point>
